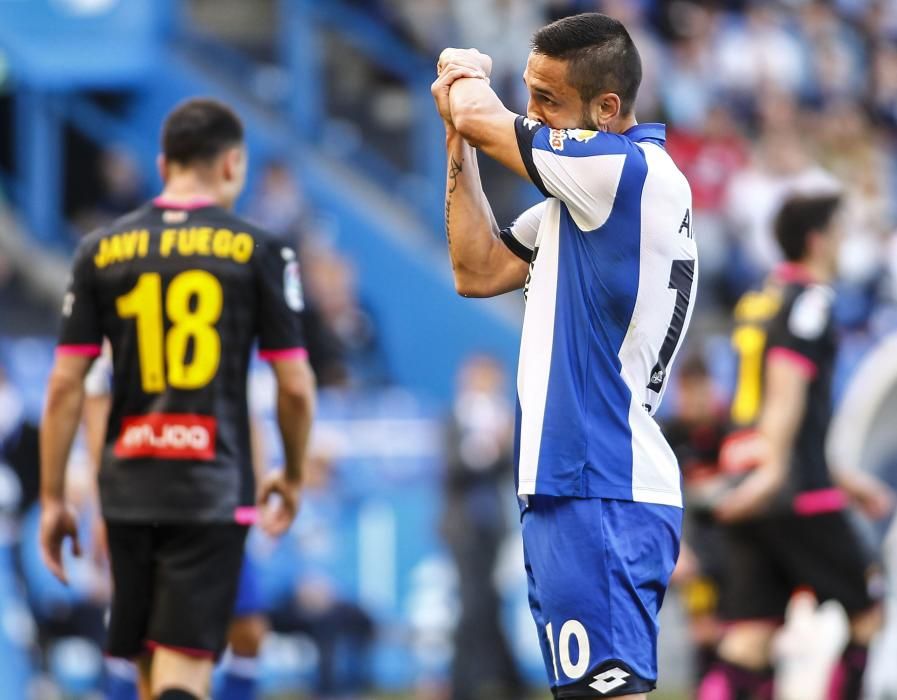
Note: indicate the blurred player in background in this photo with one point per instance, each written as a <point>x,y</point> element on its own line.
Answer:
<point>609,266</point>
<point>790,528</point>
<point>182,289</point>
<point>249,624</point>
<point>479,444</point>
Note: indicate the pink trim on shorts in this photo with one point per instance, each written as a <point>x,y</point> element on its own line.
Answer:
<point>285,354</point>
<point>805,365</point>
<point>820,501</point>
<point>87,350</point>
<point>197,203</point>
<point>246,515</point>
<point>186,651</point>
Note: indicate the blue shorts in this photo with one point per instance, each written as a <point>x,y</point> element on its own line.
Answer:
<point>249,594</point>
<point>598,570</point>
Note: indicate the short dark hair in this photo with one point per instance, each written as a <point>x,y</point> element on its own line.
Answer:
<point>600,53</point>
<point>199,130</point>
<point>800,216</point>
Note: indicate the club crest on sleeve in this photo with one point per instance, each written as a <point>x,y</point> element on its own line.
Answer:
<point>68,304</point>
<point>810,313</point>
<point>292,287</point>
<point>581,135</point>
<point>556,138</point>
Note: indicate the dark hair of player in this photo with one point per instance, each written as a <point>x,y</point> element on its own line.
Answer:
<point>693,367</point>
<point>801,216</point>
<point>199,130</point>
<point>600,54</point>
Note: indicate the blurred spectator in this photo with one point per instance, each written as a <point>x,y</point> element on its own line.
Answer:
<point>278,204</point>
<point>498,27</point>
<point>305,600</point>
<point>781,164</point>
<point>710,158</point>
<point>12,411</point>
<point>695,433</point>
<point>757,51</point>
<point>834,53</point>
<point>76,610</point>
<point>18,441</point>
<point>350,352</point>
<point>121,189</point>
<point>479,462</point>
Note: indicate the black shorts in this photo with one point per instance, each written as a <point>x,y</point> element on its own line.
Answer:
<point>174,586</point>
<point>768,559</point>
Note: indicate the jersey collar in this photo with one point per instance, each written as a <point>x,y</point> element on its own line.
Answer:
<point>790,272</point>
<point>648,131</point>
<point>198,203</point>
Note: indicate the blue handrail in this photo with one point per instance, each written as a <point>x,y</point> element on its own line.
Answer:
<point>302,24</point>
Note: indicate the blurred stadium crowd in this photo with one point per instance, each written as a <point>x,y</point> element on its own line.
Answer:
<point>761,97</point>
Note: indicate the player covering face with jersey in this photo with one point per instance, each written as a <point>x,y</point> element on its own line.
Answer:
<point>182,289</point>
<point>609,266</point>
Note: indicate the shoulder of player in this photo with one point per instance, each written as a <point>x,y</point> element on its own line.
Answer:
<point>133,219</point>
<point>583,142</point>
<point>262,237</point>
<point>807,309</point>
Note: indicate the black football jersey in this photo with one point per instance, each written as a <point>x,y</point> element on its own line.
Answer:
<point>183,294</point>
<point>790,316</point>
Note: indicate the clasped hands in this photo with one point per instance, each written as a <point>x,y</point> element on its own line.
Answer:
<point>454,64</point>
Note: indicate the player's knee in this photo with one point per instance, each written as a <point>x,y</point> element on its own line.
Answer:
<point>866,624</point>
<point>246,635</point>
<point>747,644</point>
<point>174,670</point>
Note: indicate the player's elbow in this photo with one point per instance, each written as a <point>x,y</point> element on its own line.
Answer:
<point>470,286</point>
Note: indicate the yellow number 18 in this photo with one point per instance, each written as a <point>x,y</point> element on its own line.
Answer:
<point>191,320</point>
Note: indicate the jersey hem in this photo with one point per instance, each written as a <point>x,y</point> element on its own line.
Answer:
<point>222,516</point>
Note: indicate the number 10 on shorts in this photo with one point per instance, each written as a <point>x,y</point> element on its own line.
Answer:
<point>570,630</point>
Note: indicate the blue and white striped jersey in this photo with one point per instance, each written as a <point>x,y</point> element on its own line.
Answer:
<point>610,293</point>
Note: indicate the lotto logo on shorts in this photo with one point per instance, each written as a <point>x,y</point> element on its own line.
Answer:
<point>167,436</point>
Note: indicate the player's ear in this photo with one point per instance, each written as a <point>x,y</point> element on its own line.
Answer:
<point>162,166</point>
<point>234,163</point>
<point>605,108</point>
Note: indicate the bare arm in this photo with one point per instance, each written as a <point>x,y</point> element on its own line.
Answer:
<point>482,265</point>
<point>484,122</point>
<point>62,413</point>
<point>95,417</point>
<point>783,410</point>
<point>295,410</point>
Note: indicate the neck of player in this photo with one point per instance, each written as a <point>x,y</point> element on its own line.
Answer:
<point>818,269</point>
<point>187,186</point>
<point>622,124</point>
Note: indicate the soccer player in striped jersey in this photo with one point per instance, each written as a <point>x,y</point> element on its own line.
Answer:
<point>609,264</point>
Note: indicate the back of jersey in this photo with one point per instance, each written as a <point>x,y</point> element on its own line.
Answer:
<point>789,319</point>
<point>181,294</point>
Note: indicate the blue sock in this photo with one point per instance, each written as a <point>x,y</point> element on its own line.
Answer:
<point>121,680</point>
<point>238,678</point>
